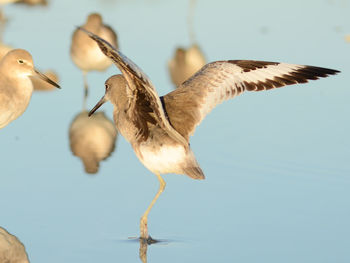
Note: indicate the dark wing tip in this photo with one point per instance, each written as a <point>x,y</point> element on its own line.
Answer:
<point>91,35</point>
<point>320,70</point>
<point>300,74</point>
<point>313,73</point>
<point>82,29</point>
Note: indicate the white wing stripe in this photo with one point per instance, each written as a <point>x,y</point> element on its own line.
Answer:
<point>222,80</point>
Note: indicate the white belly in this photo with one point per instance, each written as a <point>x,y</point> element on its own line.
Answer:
<point>165,159</point>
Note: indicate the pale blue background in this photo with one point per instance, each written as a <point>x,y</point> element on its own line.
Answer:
<point>276,163</point>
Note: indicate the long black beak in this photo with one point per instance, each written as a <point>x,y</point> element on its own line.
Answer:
<point>45,78</point>
<point>99,104</point>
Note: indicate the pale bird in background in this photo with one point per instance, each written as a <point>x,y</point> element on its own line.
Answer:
<point>185,63</point>
<point>92,139</point>
<point>347,38</point>
<point>4,49</point>
<point>33,2</point>
<point>84,51</point>
<point>11,249</point>
<point>3,21</point>
<point>158,128</point>
<point>16,69</point>
<point>27,2</point>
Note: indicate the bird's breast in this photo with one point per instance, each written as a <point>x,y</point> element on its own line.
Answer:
<point>14,99</point>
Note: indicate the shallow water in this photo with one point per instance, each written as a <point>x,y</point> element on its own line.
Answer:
<point>276,163</point>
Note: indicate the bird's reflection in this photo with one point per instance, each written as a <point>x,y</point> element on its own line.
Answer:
<point>143,250</point>
<point>144,244</point>
<point>92,139</point>
<point>11,249</point>
<point>185,63</point>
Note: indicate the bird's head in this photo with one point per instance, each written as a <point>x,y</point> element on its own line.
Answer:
<point>116,93</point>
<point>20,63</point>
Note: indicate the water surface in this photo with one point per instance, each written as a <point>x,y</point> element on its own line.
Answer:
<point>276,163</point>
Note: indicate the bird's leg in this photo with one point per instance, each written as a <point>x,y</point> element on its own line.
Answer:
<point>143,222</point>
<point>86,89</point>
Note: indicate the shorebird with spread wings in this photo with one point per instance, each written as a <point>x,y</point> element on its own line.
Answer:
<point>159,128</point>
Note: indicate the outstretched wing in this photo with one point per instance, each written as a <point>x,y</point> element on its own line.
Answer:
<point>143,96</point>
<point>218,81</point>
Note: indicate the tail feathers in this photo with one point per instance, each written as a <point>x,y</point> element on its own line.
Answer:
<point>195,172</point>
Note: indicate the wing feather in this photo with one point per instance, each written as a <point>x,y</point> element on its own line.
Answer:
<point>142,92</point>
<point>218,81</point>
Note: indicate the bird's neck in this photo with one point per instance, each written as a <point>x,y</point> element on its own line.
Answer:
<point>119,99</point>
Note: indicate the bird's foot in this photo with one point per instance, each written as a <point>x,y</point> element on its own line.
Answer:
<point>144,236</point>
<point>149,240</point>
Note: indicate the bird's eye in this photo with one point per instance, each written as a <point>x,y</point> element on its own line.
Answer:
<point>107,87</point>
<point>20,61</point>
